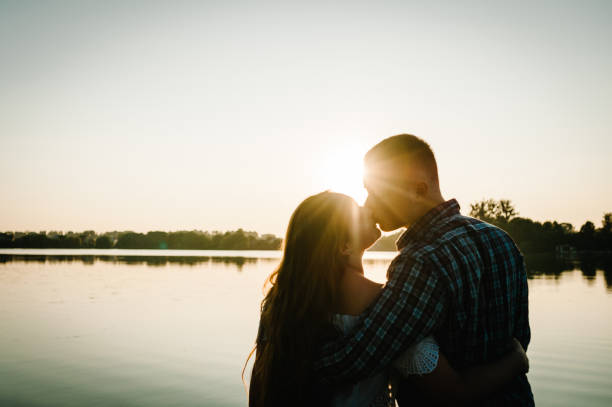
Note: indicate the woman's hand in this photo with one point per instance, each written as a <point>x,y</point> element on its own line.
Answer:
<point>520,356</point>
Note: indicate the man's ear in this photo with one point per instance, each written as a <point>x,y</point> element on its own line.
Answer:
<point>422,189</point>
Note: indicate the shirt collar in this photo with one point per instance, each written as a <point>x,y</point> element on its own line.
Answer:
<point>428,222</point>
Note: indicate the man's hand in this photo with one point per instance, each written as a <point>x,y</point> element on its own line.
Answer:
<point>521,357</point>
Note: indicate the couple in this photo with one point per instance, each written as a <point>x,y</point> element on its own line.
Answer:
<point>449,327</point>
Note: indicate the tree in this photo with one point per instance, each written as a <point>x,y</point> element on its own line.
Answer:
<point>103,242</point>
<point>87,238</point>
<point>506,210</point>
<point>130,240</point>
<point>493,211</point>
<point>6,239</point>
<point>606,223</point>
<point>588,229</point>
<point>484,210</point>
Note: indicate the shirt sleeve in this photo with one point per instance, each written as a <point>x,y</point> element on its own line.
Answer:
<point>412,305</point>
<point>522,330</point>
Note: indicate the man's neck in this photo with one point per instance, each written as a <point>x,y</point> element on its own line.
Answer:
<point>432,203</point>
<point>427,206</point>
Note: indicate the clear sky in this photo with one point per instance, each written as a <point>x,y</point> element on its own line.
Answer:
<point>219,115</point>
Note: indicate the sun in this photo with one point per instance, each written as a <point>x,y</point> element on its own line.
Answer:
<point>342,171</point>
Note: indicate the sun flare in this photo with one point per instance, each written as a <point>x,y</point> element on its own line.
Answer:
<point>342,171</point>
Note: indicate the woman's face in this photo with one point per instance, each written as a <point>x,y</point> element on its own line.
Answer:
<point>365,231</point>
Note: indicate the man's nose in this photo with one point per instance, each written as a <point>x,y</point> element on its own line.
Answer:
<point>368,213</point>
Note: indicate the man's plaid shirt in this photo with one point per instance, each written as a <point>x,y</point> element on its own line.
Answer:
<point>456,277</point>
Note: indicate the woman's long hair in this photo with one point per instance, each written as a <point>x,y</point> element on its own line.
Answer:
<point>297,309</point>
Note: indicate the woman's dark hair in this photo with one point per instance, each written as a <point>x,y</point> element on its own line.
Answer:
<point>297,309</point>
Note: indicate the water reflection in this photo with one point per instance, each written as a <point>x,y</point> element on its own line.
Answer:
<point>551,266</point>
<point>537,264</point>
<point>127,328</point>
<point>155,261</point>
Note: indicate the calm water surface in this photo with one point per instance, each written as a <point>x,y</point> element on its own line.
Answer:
<point>173,328</point>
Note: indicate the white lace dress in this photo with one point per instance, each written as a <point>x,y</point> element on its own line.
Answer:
<point>421,358</point>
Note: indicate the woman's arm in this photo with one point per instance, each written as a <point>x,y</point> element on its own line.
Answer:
<point>448,387</point>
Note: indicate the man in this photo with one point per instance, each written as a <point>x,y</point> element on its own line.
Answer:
<point>458,278</point>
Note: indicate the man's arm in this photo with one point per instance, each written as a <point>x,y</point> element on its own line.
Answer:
<point>411,305</point>
<point>522,331</point>
<point>446,386</point>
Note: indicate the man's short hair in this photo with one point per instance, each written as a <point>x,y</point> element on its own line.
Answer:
<point>405,148</point>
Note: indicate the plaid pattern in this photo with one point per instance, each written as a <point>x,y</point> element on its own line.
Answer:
<point>456,277</point>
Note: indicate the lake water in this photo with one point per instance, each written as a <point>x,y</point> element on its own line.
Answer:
<point>173,328</point>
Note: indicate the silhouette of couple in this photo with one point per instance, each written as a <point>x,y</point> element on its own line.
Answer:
<point>449,327</point>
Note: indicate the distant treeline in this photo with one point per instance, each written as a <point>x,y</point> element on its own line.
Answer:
<point>530,236</point>
<point>543,237</point>
<point>180,240</point>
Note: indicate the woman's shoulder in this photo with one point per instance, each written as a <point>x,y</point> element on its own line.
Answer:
<point>357,293</point>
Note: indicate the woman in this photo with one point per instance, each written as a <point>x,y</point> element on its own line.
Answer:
<point>319,289</point>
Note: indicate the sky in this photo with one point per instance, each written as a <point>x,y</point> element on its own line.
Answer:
<point>223,115</point>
